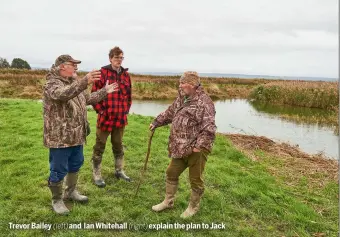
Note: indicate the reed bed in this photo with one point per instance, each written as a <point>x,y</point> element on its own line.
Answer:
<point>319,94</point>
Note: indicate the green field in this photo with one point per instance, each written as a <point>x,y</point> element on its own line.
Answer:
<point>240,193</point>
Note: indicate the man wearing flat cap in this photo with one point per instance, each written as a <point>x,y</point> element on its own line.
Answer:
<point>65,126</point>
<point>191,139</point>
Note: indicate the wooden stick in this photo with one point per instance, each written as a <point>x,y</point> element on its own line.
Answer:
<point>145,163</point>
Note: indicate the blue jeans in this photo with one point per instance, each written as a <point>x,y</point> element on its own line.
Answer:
<point>65,160</point>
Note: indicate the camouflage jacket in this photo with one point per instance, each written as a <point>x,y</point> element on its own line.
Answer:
<point>193,124</point>
<point>65,113</point>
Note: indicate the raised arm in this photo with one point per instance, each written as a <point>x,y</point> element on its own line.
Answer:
<point>167,116</point>
<point>95,97</point>
<point>56,90</point>
<point>98,96</point>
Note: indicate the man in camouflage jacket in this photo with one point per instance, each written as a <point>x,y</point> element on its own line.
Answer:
<point>65,126</point>
<point>192,135</point>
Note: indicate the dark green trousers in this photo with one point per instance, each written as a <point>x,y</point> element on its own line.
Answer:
<point>116,141</point>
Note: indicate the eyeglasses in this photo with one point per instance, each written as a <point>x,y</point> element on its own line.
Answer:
<point>71,64</point>
<point>119,58</point>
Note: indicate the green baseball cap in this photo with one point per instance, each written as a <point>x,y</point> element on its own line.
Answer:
<point>65,58</point>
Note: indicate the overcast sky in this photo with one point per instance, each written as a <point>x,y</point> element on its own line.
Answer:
<point>268,37</point>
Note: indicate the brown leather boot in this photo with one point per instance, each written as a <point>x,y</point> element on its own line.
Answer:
<point>170,191</point>
<point>193,206</point>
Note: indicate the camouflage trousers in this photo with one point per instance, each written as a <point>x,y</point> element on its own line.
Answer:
<point>196,163</point>
<point>116,142</point>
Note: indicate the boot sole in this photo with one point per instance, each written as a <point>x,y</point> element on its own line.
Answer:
<point>167,208</point>
<point>72,200</point>
<point>119,177</point>
<point>61,213</point>
<point>100,185</point>
<point>187,217</point>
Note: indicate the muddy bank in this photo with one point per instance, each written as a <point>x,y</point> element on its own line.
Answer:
<point>294,163</point>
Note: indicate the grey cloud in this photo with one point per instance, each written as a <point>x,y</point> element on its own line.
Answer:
<point>172,36</point>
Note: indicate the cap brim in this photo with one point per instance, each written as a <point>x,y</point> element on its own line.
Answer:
<point>75,61</point>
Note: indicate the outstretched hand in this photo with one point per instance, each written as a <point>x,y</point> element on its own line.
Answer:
<point>112,87</point>
<point>93,76</point>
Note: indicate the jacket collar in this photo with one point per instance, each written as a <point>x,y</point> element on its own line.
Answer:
<point>109,67</point>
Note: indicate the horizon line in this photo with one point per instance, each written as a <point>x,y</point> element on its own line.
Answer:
<point>217,73</point>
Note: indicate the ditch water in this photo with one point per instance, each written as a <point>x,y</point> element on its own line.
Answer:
<point>244,117</point>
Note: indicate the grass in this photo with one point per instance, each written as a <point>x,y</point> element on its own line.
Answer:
<point>241,193</point>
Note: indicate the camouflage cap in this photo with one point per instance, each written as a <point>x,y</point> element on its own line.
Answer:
<point>191,78</point>
<point>65,58</point>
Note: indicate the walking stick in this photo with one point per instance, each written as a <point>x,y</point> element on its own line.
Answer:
<point>145,163</point>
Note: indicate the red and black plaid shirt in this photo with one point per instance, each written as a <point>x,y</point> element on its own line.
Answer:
<point>112,111</point>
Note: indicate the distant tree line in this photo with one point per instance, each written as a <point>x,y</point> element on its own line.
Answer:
<point>16,63</point>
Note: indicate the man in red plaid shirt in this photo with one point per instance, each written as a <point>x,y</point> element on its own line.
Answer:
<point>112,115</point>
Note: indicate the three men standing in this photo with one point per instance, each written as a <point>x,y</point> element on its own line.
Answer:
<point>191,139</point>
